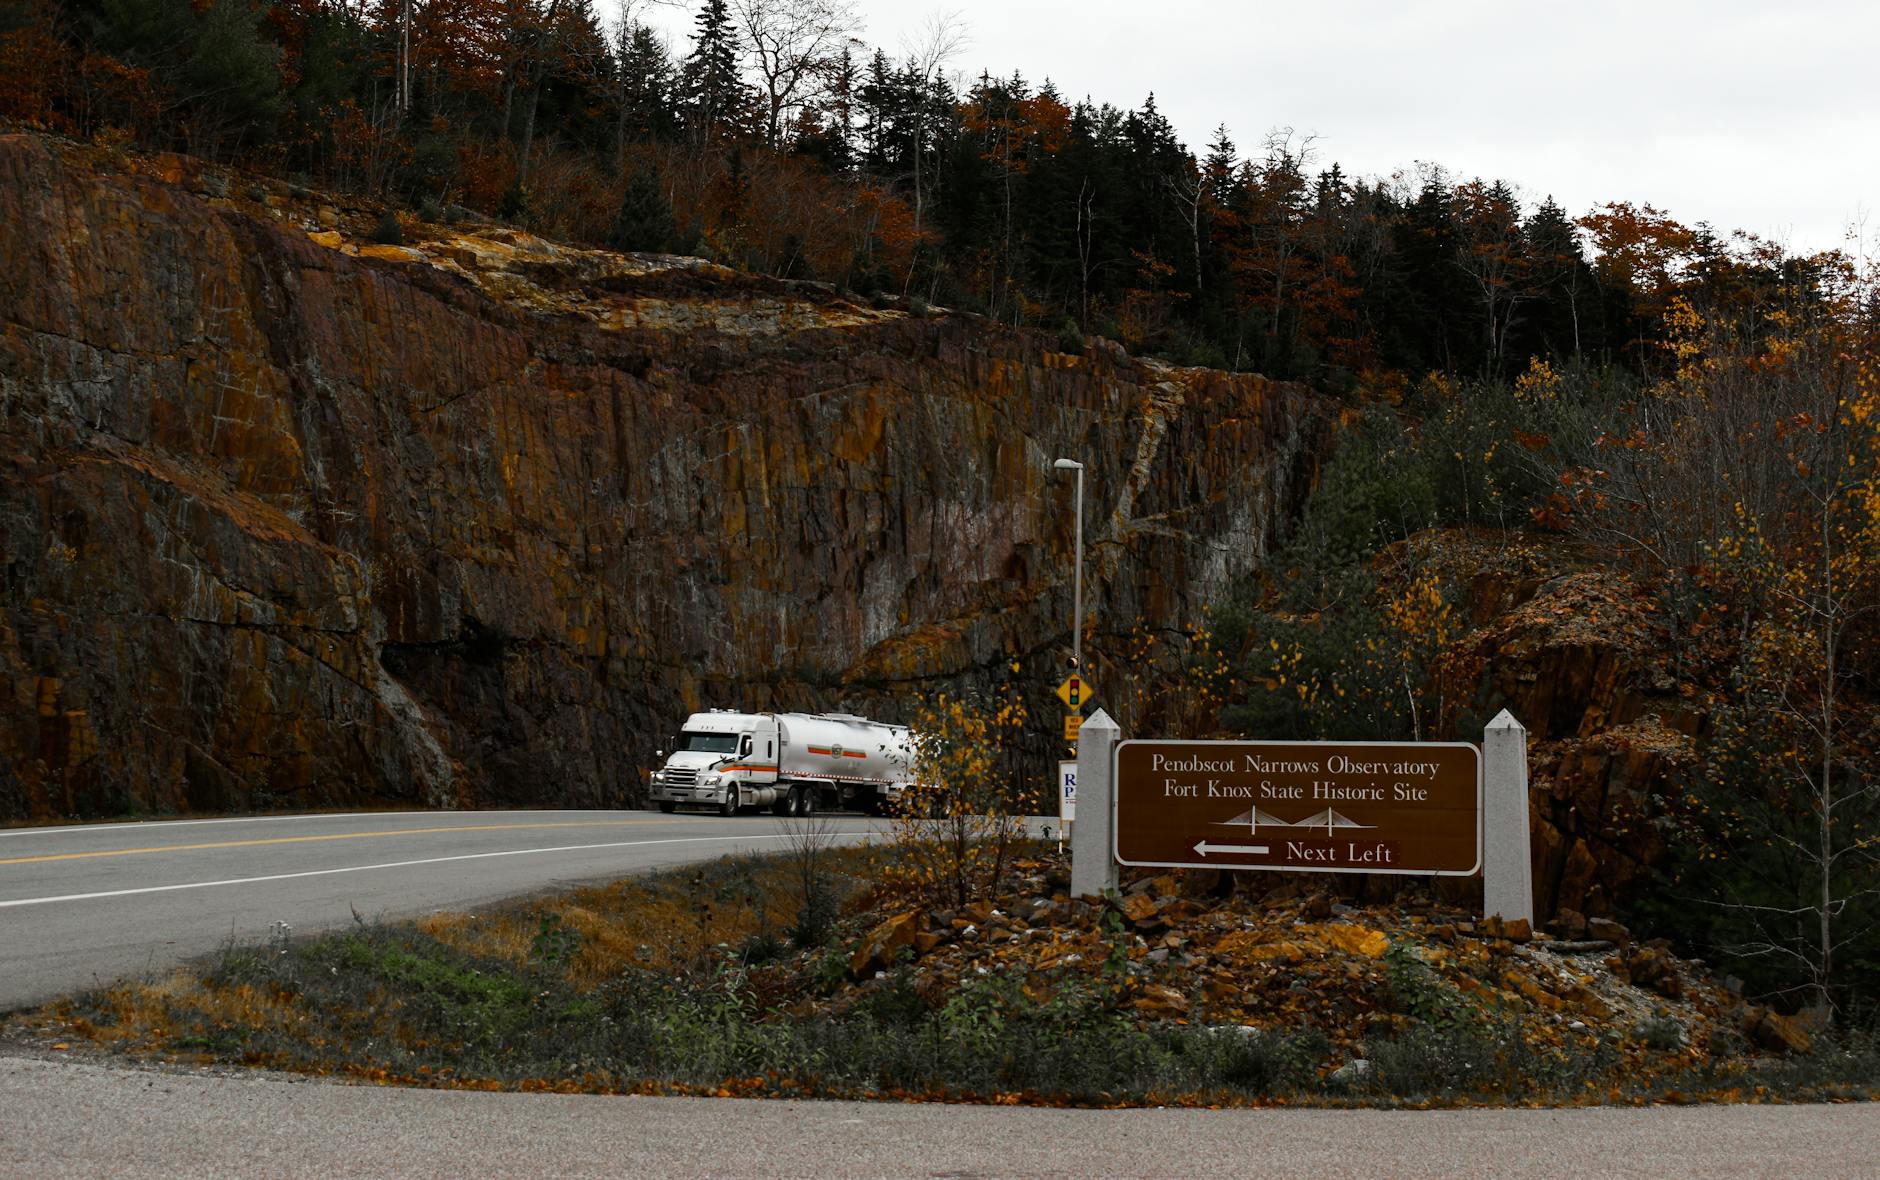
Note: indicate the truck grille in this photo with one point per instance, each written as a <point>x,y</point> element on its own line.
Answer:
<point>682,777</point>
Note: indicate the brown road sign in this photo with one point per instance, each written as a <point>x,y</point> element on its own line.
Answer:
<point>1317,807</point>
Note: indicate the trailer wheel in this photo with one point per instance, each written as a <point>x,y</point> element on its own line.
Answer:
<point>668,806</point>
<point>730,805</point>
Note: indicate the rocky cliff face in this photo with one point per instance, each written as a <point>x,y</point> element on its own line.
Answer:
<point>289,520</point>
<point>1584,657</point>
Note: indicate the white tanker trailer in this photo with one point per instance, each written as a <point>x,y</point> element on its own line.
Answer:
<point>796,763</point>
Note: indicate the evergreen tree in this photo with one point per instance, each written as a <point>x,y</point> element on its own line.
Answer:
<point>1152,156</point>
<point>840,109</point>
<point>1218,169</point>
<point>715,101</point>
<point>1562,325</point>
<point>644,83</point>
<point>577,82</point>
<point>1427,307</point>
<point>881,104</point>
<point>210,63</point>
<point>644,222</point>
<point>1329,191</point>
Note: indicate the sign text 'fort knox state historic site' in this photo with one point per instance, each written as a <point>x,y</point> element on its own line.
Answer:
<point>1328,807</point>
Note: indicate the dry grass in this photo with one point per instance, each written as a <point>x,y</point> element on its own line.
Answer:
<point>663,922</point>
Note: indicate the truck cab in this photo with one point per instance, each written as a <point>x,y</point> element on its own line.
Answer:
<point>722,759</point>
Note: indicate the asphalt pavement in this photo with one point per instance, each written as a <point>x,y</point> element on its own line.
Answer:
<point>72,1118</point>
<point>89,905</point>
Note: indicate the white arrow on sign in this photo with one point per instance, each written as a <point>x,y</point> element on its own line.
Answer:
<point>1251,849</point>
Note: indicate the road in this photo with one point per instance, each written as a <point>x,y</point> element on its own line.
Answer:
<point>71,1118</point>
<point>81,906</point>
<point>86,905</point>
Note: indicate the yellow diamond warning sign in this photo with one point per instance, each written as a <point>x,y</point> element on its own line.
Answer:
<point>1075,691</point>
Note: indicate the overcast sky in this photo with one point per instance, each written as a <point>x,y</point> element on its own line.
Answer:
<point>1756,116</point>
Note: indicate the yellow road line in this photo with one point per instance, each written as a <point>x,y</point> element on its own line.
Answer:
<point>594,823</point>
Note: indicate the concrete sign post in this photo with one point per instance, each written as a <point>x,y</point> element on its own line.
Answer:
<point>1093,869</point>
<point>1408,808</point>
<point>1508,873</point>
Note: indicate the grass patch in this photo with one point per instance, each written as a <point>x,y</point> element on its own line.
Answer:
<point>700,981</point>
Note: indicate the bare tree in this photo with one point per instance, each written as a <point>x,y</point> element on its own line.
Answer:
<point>1490,250</point>
<point>795,44</point>
<point>1278,189</point>
<point>941,37</point>
<point>1189,190</point>
<point>404,58</point>
<point>809,848</point>
<point>1086,231</point>
<point>1799,680</point>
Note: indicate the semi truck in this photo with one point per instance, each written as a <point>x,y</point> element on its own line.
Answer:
<point>794,763</point>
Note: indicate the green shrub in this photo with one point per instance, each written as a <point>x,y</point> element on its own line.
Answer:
<point>554,944</point>
<point>1422,994</point>
<point>389,232</point>
<point>1431,1061</point>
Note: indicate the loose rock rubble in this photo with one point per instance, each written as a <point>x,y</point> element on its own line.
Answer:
<point>1197,948</point>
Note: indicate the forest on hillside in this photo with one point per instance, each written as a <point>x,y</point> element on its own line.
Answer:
<point>774,140</point>
<point>1695,407</point>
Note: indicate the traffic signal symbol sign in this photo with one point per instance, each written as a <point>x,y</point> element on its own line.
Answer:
<point>1075,691</point>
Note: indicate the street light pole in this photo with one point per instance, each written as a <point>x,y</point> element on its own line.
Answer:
<point>1077,577</point>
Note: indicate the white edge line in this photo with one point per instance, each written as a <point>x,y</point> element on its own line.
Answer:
<point>397,864</point>
<point>120,826</point>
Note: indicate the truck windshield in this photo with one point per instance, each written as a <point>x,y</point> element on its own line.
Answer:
<point>709,743</point>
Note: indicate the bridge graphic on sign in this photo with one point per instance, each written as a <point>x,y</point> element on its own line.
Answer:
<point>1253,819</point>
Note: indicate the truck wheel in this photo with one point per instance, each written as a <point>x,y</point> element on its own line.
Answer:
<point>730,805</point>
<point>806,803</point>
<point>785,803</point>
<point>668,807</point>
